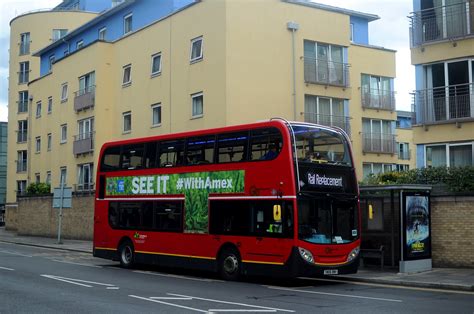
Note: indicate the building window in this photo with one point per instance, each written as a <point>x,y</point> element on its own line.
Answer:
<point>86,128</point>
<point>86,83</point>
<point>23,101</point>
<point>64,92</point>
<point>79,44</point>
<point>59,33</point>
<point>84,177</point>
<point>127,122</point>
<point>196,49</point>
<point>325,64</point>
<point>48,177</point>
<point>22,160</point>
<point>403,151</point>
<point>66,51</point>
<point>24,74</point>
<point>22,131</point>
<point>63,133</point>
<point>50,136</point>
<point>52,58</point>
<point>402,167</point>
<point>156,64</point>
<point>127,75</point>
<point>102,33</point>
<point>38,144</point>
<point>378,136</point>
<point>38,109</point>
<point>37,178</point>
<point>62,176</point>
<point>325,111</point>
<point>376,168</point>
<point>156,115</point>
<point>197,105</point>
<point>24,43</point>
<point>50,104</point>
<point>127,24</point>
<point>21,187</point>
<point>449,155</point>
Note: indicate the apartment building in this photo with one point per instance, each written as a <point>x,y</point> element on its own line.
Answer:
<point>442,50</point>
<point>146,68</point>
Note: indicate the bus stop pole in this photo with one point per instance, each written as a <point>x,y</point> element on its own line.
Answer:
<point>60,218</point>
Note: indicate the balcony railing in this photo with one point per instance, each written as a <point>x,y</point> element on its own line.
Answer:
<point>83,143</point>
<point>404,155</point>
<point>84,98</point>
<point>441,23</point>
<point>23,77</point>
<point>319,71</point>
<point>25,48</point>
<point>21,165</point>
<point>22,136</point>
<point>328,120</point>
<point>444,103</point>
<point>22,106</point>
<point>379,143</point>
<point>84,187</point>
<point>378,99</point>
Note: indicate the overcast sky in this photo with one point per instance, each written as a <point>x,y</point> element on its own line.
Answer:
<point>391,31</point>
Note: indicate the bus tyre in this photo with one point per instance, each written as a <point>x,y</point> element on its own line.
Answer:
<point>126,254</point>
<point>229,265</point>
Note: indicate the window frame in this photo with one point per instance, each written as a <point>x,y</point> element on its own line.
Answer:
<point>124,72</point>
<point>102,33</point>
<point>63,130</point>
<point>153,107</point>
<point>201,54</point>
<point>24,73</point>
<point>153,57</point>
<point>193,97</point>
<point>124,116</point>
<point>447,148</point>
<point>64,92</point>
<point>38,144</point>
<point>128,29</point>
<point>50,104</point>
<point>49,141</point>
<point>23,97</point>
<point>79,44</point>
<point>25,41</point>
<point>38,109</point>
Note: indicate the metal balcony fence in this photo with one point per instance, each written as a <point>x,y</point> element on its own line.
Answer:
<point>404,155</point>
<point>379,143</point>
<point>23,77</point>
<point>378,99</point>
<point>328,120</point>
<point>83,143</point>
<point>24,48</point>
<point>320,71</point>
<point>22,106</point>
<point>22,136</point>
<point>21,165</point>
<point>441,23</point>
<point>87,187</point>
<point>444,103</point>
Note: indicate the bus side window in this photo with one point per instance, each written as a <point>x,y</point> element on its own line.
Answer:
<point>171,153</point>
<point>265,144</point>
<point>200,150</point>
<point>132,156</point>
<point>111,159</point>
<point>232,147</point>
<point>150,155</point>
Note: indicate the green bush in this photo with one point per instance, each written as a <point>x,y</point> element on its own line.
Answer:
<point>456,179</point>
<point>38,189</point>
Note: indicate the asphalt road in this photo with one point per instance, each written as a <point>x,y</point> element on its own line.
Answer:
<point>38,280</point>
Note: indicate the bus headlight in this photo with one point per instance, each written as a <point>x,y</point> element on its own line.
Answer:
<point>306,255</point>
<point>353,254</point>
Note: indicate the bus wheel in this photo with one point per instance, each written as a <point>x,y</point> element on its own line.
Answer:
<point>126,254</point>
<point>229,265</point>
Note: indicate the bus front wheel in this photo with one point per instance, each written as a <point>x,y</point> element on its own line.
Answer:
<point>229,265</point>
<point>126,254</point>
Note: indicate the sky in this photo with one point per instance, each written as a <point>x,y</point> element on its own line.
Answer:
<point>390,31</point>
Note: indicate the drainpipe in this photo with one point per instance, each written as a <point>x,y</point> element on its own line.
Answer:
<point>293,27</point>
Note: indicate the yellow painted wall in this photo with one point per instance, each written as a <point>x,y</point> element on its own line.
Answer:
<point>442,51</point>
<point>406,136</point>
<point>444,133</point>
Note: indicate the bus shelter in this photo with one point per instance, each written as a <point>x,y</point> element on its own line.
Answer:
<point>396,226</point>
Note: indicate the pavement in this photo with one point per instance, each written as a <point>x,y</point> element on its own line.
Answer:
<point>456,279</point>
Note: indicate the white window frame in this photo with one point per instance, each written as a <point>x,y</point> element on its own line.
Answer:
<point>58,33</point>
<point>351,35</point>
<point>24,74</point>
<point>22,99</point>
<point>153,107</point>
<point>63,131</point>
<point>102,33</point>
<point>447,147</point>
<point>193,97</point>
<point>80,177</point>
<point>63,176</point>
<point>64,92</point>
<point>126,68</point>
<point>38,144</point>
<point>50,140</point>
<point>124,116</point>
<point>25,43</point>
<point>383,165</point>
<point>48,177</point>
<point>52,59</point>
<point>127,27</point>
<point>38,109</point>
<point>200,56</point>
<point>79,44</point>
<point>85,128</point>
<point>153,57</point>
<point>50,104</point>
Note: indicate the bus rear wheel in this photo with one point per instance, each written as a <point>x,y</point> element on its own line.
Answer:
<point>230,265</point>
<point>126,254</point>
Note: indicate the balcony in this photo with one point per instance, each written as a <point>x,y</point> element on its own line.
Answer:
<point>84,98</point>
<point>404,155</point>
<point>21,166</point>
<point>378,99</point>
<point>318,71</point>
<point>444,104</point>
<point>441,23</point>
<point>24,48</point>
<point>22,106</point>
<point>84,188</point>
<point>22,136</point>
<point>83,143</point>
<point>23,77</point>
<point>328,120</point>
<point>379,143</point>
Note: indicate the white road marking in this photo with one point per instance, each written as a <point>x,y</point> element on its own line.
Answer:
<point>170,298</point>
<point>5,268</point>
<point>80,264</point>
<point>167,303</point>
<point>112,288</point>
<point>390,286</point>
<point>15,253</point>
<point>333,294</point>
<point>232,303</point>
<point>231,310</point>
<point>78,282</point>
<point>174,276</point>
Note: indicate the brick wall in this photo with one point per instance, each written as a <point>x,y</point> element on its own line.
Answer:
<point>11,221</point>
<point>452,226</point>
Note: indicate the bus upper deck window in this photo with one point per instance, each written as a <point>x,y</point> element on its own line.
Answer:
<point>111,159</point>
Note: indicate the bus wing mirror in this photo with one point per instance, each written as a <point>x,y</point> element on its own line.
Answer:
<point>277,212</point>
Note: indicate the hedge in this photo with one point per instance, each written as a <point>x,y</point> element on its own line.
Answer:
<point>456,179</point>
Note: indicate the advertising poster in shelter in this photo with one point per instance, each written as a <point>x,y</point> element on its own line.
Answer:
<point>416,226</point>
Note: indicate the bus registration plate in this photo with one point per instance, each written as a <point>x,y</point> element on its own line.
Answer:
<point>331,272</point>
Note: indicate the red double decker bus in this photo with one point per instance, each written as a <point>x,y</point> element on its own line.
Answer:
<point>271,197</point>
